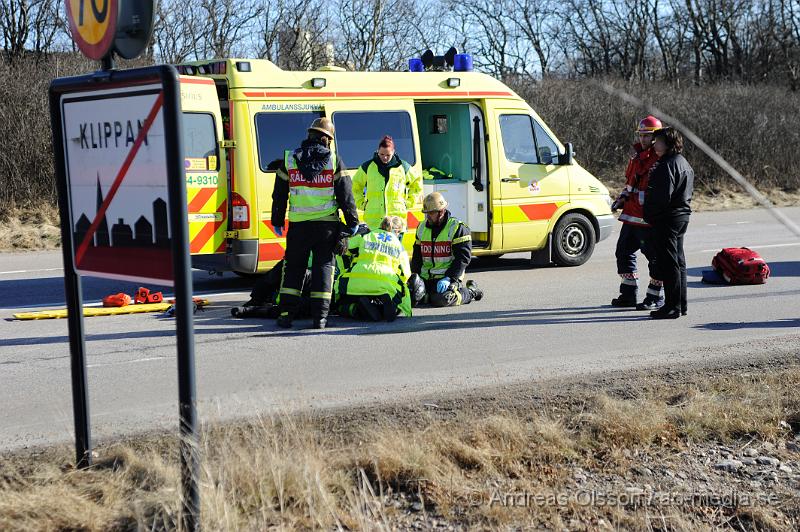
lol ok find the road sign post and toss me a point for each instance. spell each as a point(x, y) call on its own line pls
point(118, 134)
point(118, 148)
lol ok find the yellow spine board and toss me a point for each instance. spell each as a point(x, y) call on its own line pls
point(99, 311)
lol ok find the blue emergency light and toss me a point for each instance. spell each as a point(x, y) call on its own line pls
point(415, 65)
point(462, 63)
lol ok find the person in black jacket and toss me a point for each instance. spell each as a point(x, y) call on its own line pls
point(442, 252)
point(667, 208)
point(311, 182)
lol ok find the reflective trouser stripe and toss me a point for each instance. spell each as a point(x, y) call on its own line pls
point(290, 292)
point(320, 295)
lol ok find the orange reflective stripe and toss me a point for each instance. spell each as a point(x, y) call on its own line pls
point(209, 230)
point(200, 199)
point(539, 211)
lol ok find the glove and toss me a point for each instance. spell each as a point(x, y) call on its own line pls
point(354, 230)
point(278, 230)
point(443, 285)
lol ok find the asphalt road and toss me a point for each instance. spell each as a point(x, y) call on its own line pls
point(534, 323)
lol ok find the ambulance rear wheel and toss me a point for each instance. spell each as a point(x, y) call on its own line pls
point(573, 240)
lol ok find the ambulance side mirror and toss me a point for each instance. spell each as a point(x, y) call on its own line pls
point(567, 157)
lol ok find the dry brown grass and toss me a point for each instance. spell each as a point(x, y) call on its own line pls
point(30, 229)
point(299, 472)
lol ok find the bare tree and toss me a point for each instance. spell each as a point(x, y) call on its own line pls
point(28, 25)
point(175, 26)
point(537, 23)
point(787, 35)
point(301, 29)
point(225, 24)
point(495, 39)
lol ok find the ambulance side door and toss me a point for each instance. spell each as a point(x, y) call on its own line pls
point(532, 184)
point(361, 124)
point(206, 182)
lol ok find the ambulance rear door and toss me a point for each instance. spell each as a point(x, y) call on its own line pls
point(206, 182)
point(533, 186)
point(279, 125)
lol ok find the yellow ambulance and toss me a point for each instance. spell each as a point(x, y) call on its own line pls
point(499, 166)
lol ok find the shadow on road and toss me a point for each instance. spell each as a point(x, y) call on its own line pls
point(218, 323)
point(26, 293)
point(777, 269)
point(729, 326)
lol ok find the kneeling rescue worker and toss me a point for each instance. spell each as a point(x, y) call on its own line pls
point(442, 251)
point(374, 287)
point(311, 181)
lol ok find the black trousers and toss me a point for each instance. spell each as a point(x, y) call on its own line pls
point(671, 262)
point(458, 294)
point(369, 308)
point(267, 285)
point(633, 238)
point(302, 239)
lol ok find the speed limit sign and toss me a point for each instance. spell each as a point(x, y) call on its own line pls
point(93, 24)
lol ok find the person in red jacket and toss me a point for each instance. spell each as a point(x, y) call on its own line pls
point(635, 232)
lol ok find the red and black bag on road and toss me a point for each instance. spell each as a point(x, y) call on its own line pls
point(741, 266)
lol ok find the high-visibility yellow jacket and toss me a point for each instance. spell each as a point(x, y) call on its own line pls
point(445, 255)
point(385, 190)
point(379, 266)
point(311, 200)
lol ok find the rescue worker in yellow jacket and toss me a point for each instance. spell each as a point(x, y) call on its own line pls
point(311, 181)
point(442, 251)
point(374, 287)
point(385, 185)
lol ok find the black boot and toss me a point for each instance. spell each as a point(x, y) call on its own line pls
point(654, 299)
point(651, 302)
point(477, 293)
point(627, 295)
point(665, 314)
point(284, 320)
point(320, 323)
point(623, 301)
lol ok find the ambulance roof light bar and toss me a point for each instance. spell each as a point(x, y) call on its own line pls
point(451, 60)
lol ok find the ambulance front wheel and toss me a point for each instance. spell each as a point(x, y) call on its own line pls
point(573, 240)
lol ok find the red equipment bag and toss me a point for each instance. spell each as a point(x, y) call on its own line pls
point(741, 266)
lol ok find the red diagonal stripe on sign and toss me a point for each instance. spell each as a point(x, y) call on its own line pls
point(539, 211)
point(101, 212)
point(201, 199)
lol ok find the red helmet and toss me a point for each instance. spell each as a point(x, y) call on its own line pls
point(648, 125)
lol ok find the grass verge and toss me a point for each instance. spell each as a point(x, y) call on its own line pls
point(30, 229)
point(646, 453)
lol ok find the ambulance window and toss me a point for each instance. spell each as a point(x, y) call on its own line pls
point(518, 143)
point(199, 142)
point(278, 132)
point(358, 134)
point(545, 145)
